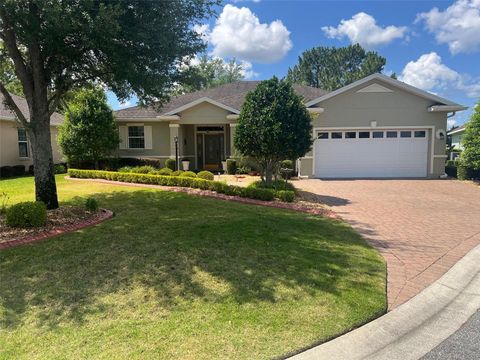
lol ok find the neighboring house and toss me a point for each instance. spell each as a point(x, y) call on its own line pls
point(456, 136)
point(374, 127)
point(14, 144)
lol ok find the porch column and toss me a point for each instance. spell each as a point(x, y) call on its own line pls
point(233, 128)
point(174, 131)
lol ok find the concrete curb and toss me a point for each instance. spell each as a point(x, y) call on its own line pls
point(416, 327)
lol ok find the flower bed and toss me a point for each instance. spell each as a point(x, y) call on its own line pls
point(196, 183)
point(59, 221)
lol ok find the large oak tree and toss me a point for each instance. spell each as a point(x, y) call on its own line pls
point(130, 46)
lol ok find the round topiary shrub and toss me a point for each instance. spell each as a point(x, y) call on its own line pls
point(170, 163)
point(177, 173)
point(285, 195)
point(164, 171)
point(26, 214)
point(190, 174)
point(206, 175)
point(125, 169)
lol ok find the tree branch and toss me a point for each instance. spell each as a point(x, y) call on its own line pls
point(21, 70)
point(13, 106)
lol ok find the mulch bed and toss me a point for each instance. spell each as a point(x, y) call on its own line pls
point(301, 205)
point(59, 221)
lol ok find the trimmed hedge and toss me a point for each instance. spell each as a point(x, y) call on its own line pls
point(189, 174)
point(171, 164)
point(285, 195)
point(219, 187)
point(26, 214)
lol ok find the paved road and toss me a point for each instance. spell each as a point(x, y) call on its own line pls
point(462, 345)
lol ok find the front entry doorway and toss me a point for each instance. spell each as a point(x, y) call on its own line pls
point(210, 147)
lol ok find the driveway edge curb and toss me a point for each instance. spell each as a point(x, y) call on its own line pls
point(416, 327)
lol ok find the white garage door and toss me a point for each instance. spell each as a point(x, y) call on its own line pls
point(371, 154)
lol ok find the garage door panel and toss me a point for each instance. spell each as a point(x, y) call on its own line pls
point(371, 157)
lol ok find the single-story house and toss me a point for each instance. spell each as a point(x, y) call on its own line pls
point(14, 144)
point(455, 137)
point(375, 127)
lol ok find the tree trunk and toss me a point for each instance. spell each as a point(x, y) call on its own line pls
point(268, 173)
point(45, 186)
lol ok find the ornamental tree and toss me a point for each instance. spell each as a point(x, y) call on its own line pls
point(471, 141)
point(89, 131)
point(133, 47)
point(274, 125)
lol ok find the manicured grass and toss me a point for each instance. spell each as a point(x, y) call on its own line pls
point(177, 276)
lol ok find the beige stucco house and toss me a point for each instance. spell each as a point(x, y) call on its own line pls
point(14, 143)
point(375, 127)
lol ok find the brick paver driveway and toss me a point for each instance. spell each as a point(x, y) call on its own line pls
point(421, 227)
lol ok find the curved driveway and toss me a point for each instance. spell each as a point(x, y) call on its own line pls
point(421, 227)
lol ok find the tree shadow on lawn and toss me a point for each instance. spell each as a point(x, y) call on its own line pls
point(182, 248)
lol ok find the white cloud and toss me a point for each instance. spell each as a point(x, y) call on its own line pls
point(247, 70)
point(429, 73)
point(238, 33)
point(458, 25)
point(203, 31)
point(363, 29)
point(125, 104)
point(451, 123)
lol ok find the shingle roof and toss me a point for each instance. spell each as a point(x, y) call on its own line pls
point(232, 95)
point(6, 113)
point(457, 129)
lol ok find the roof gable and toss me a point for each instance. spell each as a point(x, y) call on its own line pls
point(199, 101)
point(388, 81)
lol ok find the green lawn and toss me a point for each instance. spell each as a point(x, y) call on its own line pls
point(178, 276)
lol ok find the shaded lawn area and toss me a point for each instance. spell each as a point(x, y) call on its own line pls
point(179, 276)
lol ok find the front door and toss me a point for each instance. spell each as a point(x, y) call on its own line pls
point(213, 151)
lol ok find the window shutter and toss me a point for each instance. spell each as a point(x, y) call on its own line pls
point(147, 130)
point(123, 131)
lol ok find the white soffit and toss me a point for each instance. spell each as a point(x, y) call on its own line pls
point(374, 88)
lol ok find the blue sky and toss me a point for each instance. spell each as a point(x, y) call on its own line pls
point(434, 45)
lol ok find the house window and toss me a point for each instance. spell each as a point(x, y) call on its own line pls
point(420, 134)
point(336, 135)
point(22, 143)
point(136, 137)
point(377, 134)
point(322, 135)
point(392, 134)
point(405, 134)
point(350, 135)
point(364, 134)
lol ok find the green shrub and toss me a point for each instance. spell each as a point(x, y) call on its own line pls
point(170, 163)
point(18, 170)
point(243, 170)
point(145, 169)
point(231, 166)
point(275, 185)
point(177, 173)
point(286, 164)
point(125, 169)
point(285, 195)
point(189, 174)
point(206, 175)
point(27, 214)
point(60, 169)
point(164, 171)
point(91, 204)
point(3, 202)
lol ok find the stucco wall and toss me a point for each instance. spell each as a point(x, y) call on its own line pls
point(9, 145)
point(204, 113)
point(389, 109)
point(160, 141)
point(457, 140)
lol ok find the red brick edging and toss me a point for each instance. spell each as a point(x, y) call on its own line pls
point(104, 215)
point(212, 194)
